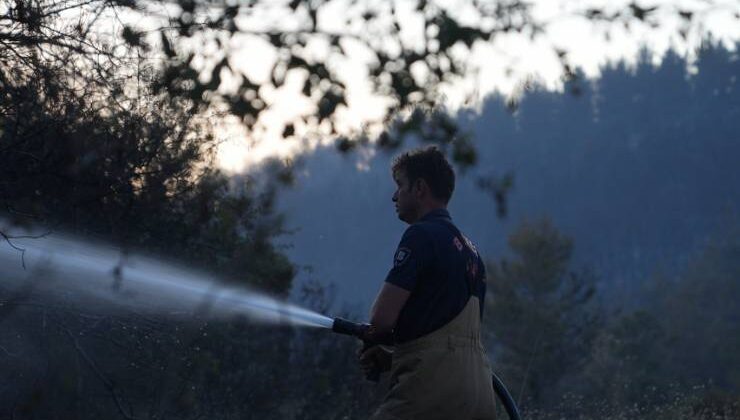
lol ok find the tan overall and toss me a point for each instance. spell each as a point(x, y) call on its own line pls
point(442, 375)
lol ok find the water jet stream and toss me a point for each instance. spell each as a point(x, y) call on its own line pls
point(74, 269)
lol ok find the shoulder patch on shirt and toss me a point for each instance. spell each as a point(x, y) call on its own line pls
point(457, 243)
point(402, 255)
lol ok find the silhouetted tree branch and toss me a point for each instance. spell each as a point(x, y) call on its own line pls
point(412, 50)
point(126, 412)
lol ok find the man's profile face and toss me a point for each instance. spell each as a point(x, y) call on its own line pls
point(405, 199)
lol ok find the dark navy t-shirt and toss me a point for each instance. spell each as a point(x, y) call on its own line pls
point(442, 270)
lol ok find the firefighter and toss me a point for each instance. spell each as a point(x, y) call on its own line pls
point(431, 305)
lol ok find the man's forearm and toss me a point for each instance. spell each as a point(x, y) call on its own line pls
point(387, 307)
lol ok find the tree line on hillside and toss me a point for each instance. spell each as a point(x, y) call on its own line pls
point(639, 169)
point(640, 161)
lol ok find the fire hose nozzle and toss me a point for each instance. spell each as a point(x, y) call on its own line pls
point(342, 326)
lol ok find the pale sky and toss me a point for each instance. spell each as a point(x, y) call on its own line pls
point(503, 66)
point(584, 41)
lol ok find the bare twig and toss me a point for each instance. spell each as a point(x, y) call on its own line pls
point(9, 240)
point(128, 414)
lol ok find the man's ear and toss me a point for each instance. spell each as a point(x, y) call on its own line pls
point(421, 187)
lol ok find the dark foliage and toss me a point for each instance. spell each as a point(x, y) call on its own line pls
point(540, 314)
point(39, 29)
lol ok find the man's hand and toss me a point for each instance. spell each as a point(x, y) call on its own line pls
point(374, 359)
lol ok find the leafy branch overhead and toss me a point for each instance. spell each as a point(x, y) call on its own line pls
point(408, 73)
point(404, 53)
point(413, 47)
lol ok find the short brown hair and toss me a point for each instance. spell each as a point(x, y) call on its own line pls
point(429, 164)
